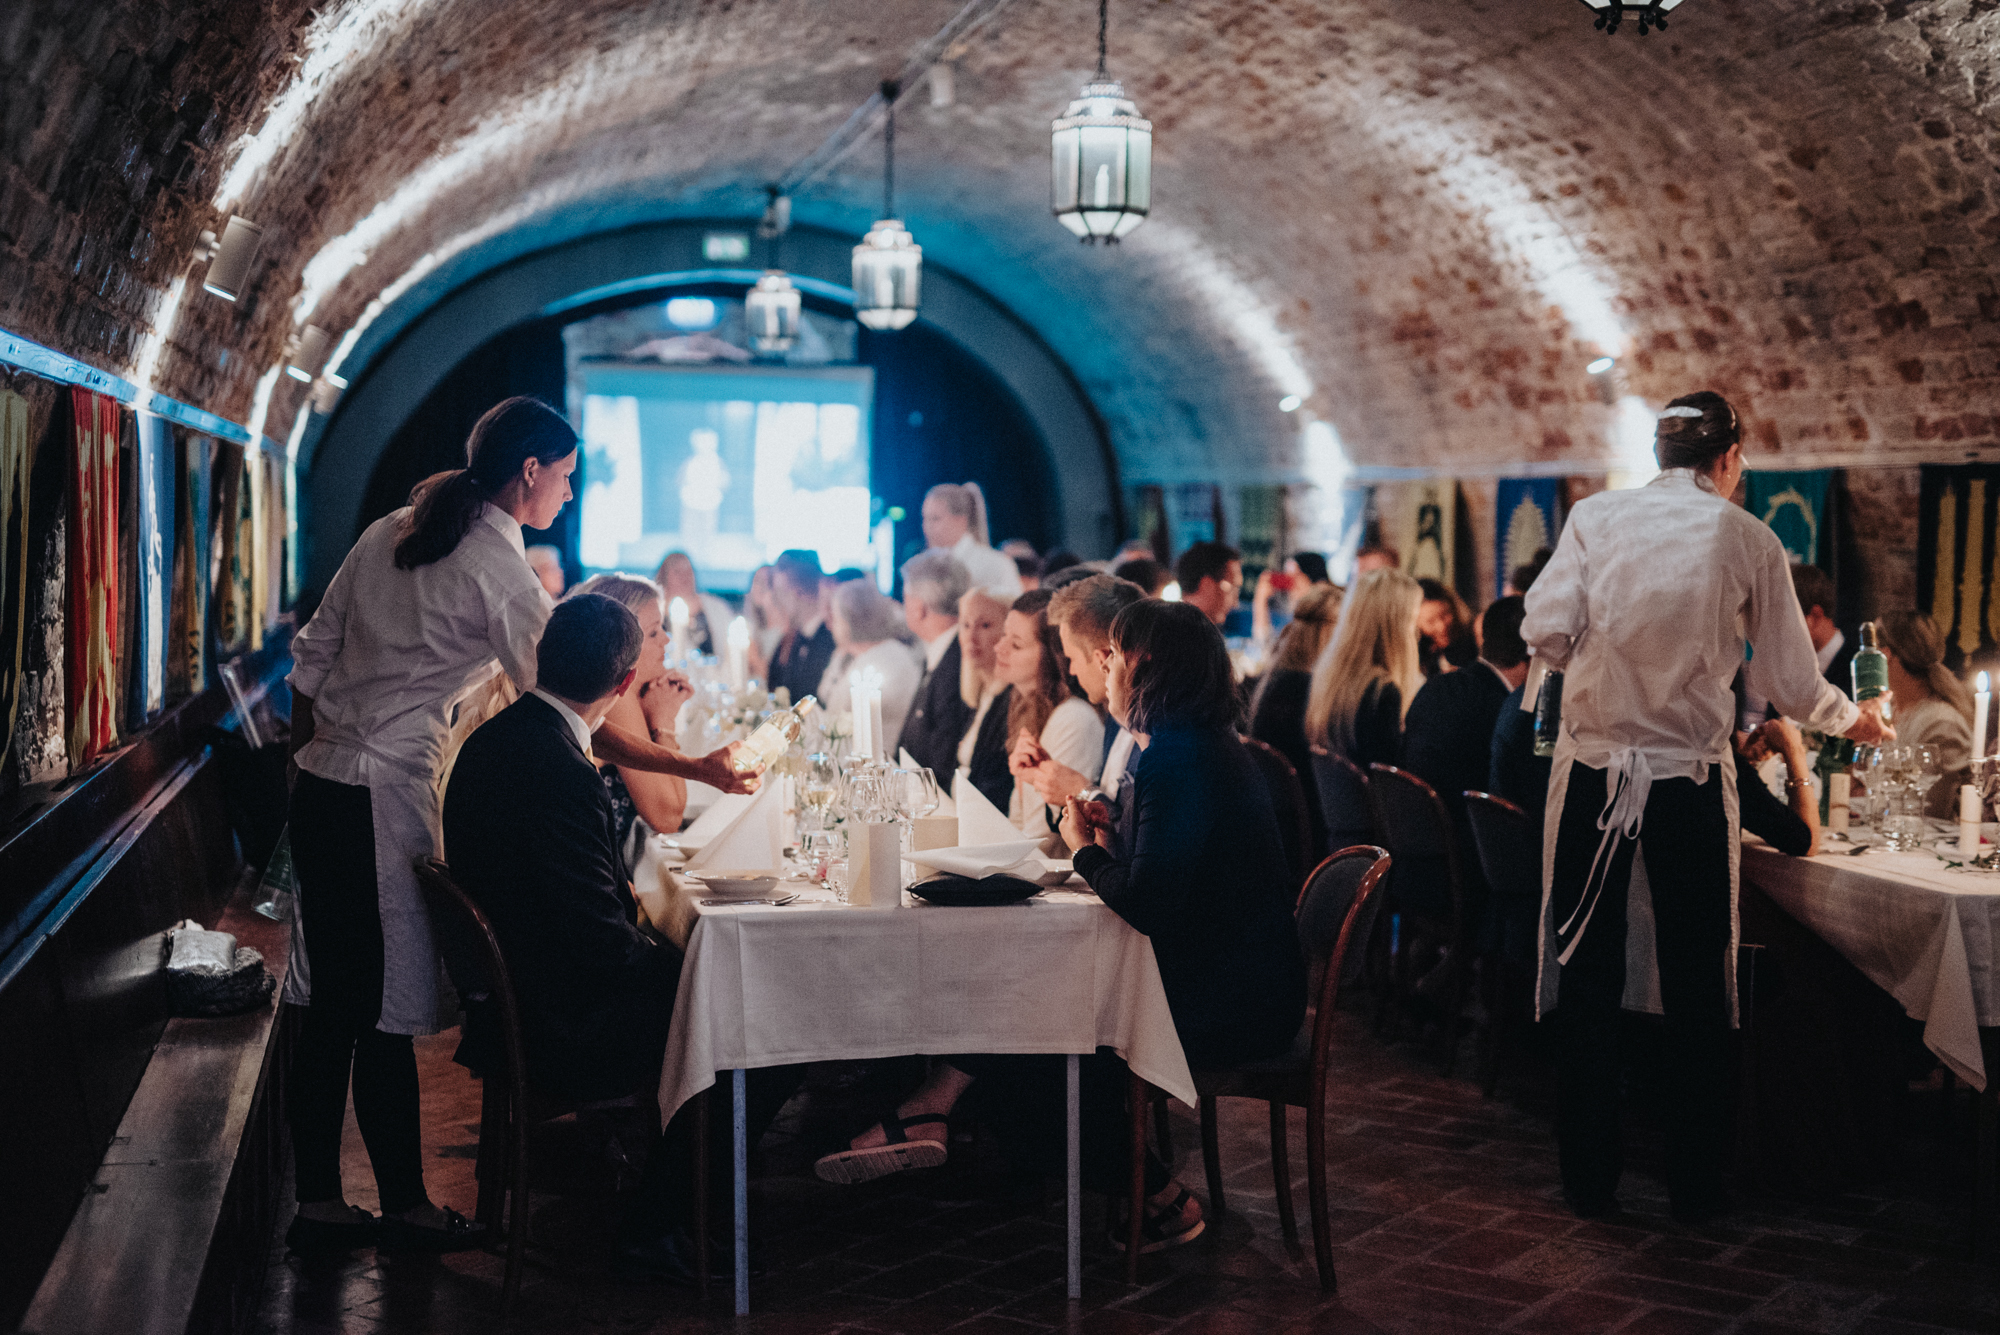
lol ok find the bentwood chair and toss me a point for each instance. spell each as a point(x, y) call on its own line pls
point(1418, 832)
point(1332, 914)
point(1510, 855)
point(1288, 800)
point(1343, 799)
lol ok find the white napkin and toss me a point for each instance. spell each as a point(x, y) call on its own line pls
point(753, 842)
point(721, 814)
point(979, 821)
point(946, 807)
point(1015, 858)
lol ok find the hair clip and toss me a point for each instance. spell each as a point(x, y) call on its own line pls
point(1682, 411)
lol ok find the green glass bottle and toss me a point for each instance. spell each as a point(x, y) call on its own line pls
point(1871, 666)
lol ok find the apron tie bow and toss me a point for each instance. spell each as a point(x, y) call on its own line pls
point(1628, 781)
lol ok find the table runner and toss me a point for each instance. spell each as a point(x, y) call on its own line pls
point(1922, 932)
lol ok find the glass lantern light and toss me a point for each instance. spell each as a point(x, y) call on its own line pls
point(888, 264)
point(1650, 13)
point(771, 309)
point(1101, 158)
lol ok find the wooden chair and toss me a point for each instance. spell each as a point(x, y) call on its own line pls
point(1343, 799)
point(1331, 916)
point(1288, 800)
point(1417, 830)
point(1510, 855)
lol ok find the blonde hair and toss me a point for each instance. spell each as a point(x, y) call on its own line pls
point(1313, 617)
point(636, 592)
point(1374, 642)
point(966, 500)
point(1914, 640)
point(971, 681)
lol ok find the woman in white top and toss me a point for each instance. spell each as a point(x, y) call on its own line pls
point(1046, 706)
point(1931, 705)
point(955, 521)
point(1646, 605)
point(866, 639)
point(434, 601)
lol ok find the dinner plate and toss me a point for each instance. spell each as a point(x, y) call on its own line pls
point(964, 892)
point(735, 883)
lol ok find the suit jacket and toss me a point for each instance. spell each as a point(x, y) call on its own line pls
point(528, 834)
point(988, 770)
point(937, 719)
point(1448, 743)
point(798, 663)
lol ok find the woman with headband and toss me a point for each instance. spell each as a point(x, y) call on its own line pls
point(1647, 605)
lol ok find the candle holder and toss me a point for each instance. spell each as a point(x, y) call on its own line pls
point(1986, 779)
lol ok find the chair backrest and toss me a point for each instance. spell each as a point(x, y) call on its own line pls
point(1343, 799)
point(1415, 826)
point(1335, 913)
point(1288, 800)
point(472, 955)
point(1510, 847)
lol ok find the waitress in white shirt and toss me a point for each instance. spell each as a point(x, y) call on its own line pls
point(1646, 605)
point(433, 602)
point(955, 522)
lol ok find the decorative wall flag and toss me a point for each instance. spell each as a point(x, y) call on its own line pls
point(92, 661)
point(1422, 523)
point(14, 460)
point(1263, 526)
point(1148, 508)
point(1524, 522)
point(154, 502)
point(1194, 514)
point(230, 557)
point(1956, 557)
point(187, 657)
point(1794, 505)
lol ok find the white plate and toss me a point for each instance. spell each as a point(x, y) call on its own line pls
point(735, 883)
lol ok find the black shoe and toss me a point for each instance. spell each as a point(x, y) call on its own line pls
point(459, 1234)
point(309, 1236)
point(670, 1259)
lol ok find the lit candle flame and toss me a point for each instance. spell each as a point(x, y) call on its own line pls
point(739, 633)
point(1984, 684)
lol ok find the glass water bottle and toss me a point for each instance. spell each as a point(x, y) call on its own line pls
point(1871, 665)
point(1549, 713)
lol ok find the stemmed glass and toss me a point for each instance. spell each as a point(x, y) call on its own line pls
point(1893, 774)
point(819, 786)
point(1924, 774)
point(1864, 803)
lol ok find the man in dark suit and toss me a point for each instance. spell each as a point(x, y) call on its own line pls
point(801, 657)
point(933, 582)
point(528, 834)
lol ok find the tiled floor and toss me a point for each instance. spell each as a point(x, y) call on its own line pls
point(1446, 1215)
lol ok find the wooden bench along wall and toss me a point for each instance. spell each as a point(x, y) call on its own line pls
point(90, 880)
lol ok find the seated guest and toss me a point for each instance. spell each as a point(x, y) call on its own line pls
point(1814, 588)
point(1514, 771)
point(1444, 630)
point(1523, 577)
point(1932, 706)
point(1057, 561)
point(708, 615)
point(1134, 548)
point(1308, 566)
point(933, 583)
point(649, 708)
point(865, 626)
point(1204, 877)
point(806, 647)
point(1030, 567)
point(1211, 578)
point(1376, 556)
point(1047, 715)
point(1367, 675)
point(982, 749)
point(767, 623)
point(1791, 826)
point(1082, 614)
point(546, 562)
point(1144, 571)
point(1278, 709)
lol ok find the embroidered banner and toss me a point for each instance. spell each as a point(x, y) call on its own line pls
point(187, 657)
point(92, 660)
point(229, 584)
point(1956, 558)
point(155, 504)
point(1194, 514)
point(1524, 522)
point(1264, 535)
point(13, 559)
point(1794, 505)
point(1421, 522)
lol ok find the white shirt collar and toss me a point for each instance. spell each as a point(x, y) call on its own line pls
point(506, 526)
point(1829, 651)
point(570, 716)
point(936, 649)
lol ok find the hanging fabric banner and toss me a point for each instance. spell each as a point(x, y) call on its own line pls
point(273, 551)
point(1794, 505)
point(92, 661)
point(229, 590)
point(1956, 558)
point(1194, 514)
point(257, 568)
point(14, 468)
point(1148, 507)
point(187, 659)
point(155, 505)
point(1263, 538)
point(1421, 521)
point(1524, 522)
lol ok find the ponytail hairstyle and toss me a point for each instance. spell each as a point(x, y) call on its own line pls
point(968, 502)
point(1914, 640)
point(1695, 430)
point(443, 505)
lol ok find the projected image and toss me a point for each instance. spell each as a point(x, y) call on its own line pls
point(729, 466)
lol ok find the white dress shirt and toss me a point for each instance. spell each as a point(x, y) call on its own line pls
point(391, 652)
point(935, 650)
point(575, 720)
point(1073, 736)
point(1116, 763)
point(994, 570)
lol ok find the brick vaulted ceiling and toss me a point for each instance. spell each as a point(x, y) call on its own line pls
point(1426, 216)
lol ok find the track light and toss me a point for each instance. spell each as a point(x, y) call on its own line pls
point(308, 354)
point(229, 258)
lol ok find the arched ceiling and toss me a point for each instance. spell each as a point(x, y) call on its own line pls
point(1425, 216)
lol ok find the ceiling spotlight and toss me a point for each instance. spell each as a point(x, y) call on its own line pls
point(1101, 158)
point(229, 258)
point(308, 354)
point(1290, 403)
point(888, 264)
point(1601, 365)
point(1650, 13)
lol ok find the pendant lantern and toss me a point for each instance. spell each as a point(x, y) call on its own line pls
point(888, 264)
point(1101, 157)
point(771, 308)
point(1650, 13)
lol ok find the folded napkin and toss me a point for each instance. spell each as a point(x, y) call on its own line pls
point(946, 807)
point(979, 821)
point(753, 842)
point(1015, 857)
point(721, 814)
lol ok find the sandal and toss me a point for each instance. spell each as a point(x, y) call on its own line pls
point(851, 1167)
point(1163, 1228)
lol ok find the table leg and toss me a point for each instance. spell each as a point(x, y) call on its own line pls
point(1074, 1131)
point(701, 1194)
point(740, 1154)
point(1138, 1094)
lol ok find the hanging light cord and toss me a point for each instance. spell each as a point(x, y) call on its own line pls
point(889, 92)
point(1103, 22)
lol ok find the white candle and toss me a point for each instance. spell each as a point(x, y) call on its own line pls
point(875, 721)
point(857, 695)
point(1982, 699)
point(739, 654)
point(1968, 821)
point(677, 622)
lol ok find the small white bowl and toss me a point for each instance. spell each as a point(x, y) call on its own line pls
point(736, 882)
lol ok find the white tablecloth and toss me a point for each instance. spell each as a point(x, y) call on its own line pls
point(1919, 930)
point(817, 980)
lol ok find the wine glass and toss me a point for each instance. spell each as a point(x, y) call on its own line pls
point(819, 786)
point(1863, 802)
point(1892, 774)
point(1924, 774)
point(921, 794)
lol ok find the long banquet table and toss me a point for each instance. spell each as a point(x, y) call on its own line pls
point(816, 980)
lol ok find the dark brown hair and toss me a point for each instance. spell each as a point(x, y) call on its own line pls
point(1179, 667)
point(1029, 711)
point(1695, 430)
point(444, 505)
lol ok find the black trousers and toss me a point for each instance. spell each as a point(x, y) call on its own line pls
point(665, 1199)
point(1024, 1098)
point(1685, 833)
point(333, 852)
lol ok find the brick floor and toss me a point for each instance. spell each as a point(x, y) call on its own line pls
point(1447, 1218)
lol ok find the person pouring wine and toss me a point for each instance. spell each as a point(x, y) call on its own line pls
point(1646, 606)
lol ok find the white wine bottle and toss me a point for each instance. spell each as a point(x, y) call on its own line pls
point(771, 740)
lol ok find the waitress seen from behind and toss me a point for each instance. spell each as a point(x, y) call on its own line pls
point(1647, 605)
point(432, 603)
